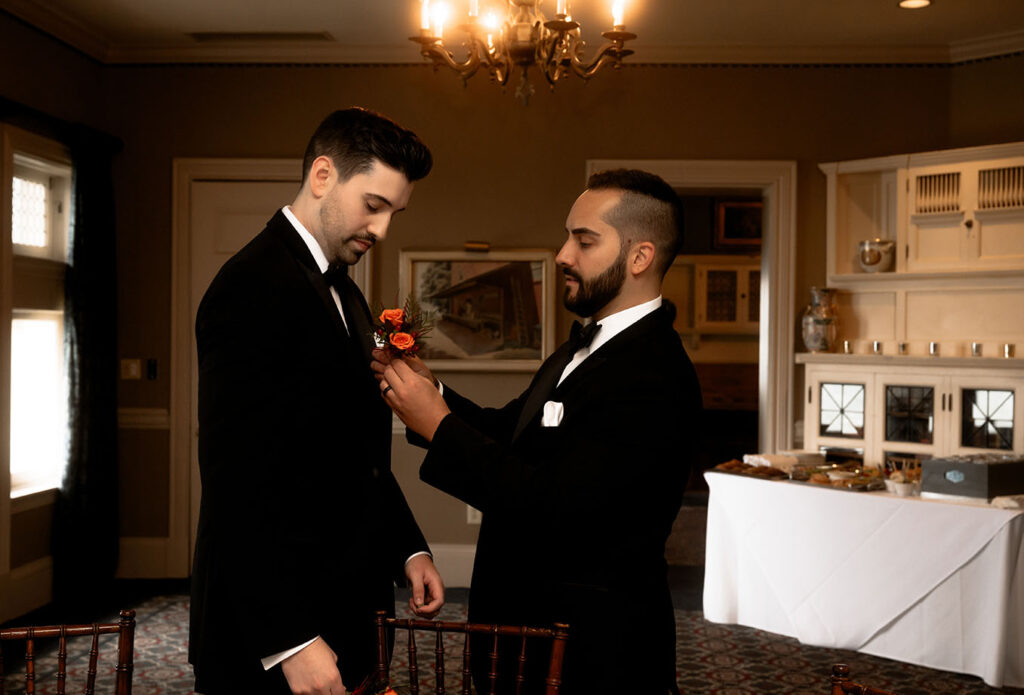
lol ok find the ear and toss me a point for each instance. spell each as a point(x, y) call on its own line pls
point(321, 175)
point(642, 257)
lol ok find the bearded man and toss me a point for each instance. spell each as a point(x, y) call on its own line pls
point(580, 478)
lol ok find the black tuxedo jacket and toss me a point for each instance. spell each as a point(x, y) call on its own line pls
point(303, 528)
point(575, 517)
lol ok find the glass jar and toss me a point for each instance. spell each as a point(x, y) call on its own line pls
point(820, 321)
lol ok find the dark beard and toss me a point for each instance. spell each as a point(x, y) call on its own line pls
point(594, 295)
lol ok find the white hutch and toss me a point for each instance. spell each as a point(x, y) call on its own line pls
point(957, 218)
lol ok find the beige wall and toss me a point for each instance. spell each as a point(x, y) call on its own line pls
point(504, 173)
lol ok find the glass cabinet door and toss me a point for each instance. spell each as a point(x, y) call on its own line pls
point(986, 415)
point(909, 414)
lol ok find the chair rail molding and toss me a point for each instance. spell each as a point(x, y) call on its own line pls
point(776, 180)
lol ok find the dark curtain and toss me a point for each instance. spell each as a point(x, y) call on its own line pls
point(85, 538)
point(85, 529)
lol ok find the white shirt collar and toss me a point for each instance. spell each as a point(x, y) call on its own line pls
point(611, 326)
point(614, 324)
point(314, 247)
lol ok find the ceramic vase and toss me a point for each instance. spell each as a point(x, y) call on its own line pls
point(820, 322)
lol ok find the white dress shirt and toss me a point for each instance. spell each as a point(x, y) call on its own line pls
point(273, 660)
point(611, 326)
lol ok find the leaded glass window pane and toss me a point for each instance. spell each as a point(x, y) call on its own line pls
point(722, 295)
point(28, 213)
point(842, 410)
point(987, 419)
point(909, 413)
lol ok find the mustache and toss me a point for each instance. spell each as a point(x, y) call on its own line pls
point(572, 274)
point(369, 239)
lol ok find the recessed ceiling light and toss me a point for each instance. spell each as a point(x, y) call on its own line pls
point(914, 4)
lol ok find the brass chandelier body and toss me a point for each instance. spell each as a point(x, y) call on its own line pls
point(525, 39)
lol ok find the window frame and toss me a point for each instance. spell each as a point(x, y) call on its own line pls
point(39, 284)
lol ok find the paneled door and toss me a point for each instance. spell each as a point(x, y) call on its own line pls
point(220, 205)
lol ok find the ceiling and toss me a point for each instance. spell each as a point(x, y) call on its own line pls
point(670, 31)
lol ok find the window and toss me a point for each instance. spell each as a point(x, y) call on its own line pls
point(40, 202)
point(39, 396)
point(36, 175)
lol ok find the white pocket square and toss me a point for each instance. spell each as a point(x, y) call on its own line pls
point(553, 412)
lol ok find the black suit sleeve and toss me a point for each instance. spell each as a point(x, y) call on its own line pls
point(622, 448)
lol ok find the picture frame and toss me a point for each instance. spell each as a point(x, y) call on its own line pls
point(738, 225)
point(494, 310)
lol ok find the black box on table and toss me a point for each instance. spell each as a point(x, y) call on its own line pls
point(977, 476)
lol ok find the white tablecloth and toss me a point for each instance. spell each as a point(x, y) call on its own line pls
point(921, 581)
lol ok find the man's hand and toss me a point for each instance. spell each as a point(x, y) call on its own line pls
point(382, 358)
point(427, 587)
point(313, 671)
point(413, 397)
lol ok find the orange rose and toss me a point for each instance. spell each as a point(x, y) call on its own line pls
point(395, 316)
point(402, 341)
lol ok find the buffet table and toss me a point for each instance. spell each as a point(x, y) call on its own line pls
point(926, 582)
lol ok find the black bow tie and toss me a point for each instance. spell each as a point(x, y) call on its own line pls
point(581, 336)
point(334, 274)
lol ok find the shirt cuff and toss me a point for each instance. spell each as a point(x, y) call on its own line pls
point(422, 552)
point(273, 660)
point(440, 388)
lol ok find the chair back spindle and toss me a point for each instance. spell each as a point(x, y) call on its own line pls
point(30, 663)
point(466, 678)
point(62, 660)
point(124, 629)
point(498, 636)
point(414, 673)
point(439, 661)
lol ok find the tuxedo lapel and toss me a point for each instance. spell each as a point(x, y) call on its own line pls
point(543, 385)
point(358, 316)
point(286, 232)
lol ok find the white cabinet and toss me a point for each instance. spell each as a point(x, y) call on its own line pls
point(728, 298)
point(966, 216)
point(953, 211)
point(900, 407)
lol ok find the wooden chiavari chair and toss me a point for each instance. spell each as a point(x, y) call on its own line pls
point(841, 683)
point(500, 633)
point(124, 628)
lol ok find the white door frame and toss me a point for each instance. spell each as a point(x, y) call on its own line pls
point(184, 483)
point(776, 180)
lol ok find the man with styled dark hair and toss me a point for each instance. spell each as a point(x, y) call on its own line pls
point(580, 478)
point(303, 529)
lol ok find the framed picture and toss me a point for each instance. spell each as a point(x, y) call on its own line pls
point(493, 310)
point(737, 225)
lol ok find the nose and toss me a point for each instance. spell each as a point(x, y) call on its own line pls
point(378, 227)
point(563, 258)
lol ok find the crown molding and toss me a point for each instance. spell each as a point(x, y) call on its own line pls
point(264, 52)
point(986, 47)
point(60, 25)
point(66, 28)
point(741, 54)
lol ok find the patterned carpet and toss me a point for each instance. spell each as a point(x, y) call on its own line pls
point(712, 659)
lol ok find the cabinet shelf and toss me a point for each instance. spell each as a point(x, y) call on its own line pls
point(838, 359)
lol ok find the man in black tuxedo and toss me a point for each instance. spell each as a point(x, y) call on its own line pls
point(580, 478)
point(303, 529)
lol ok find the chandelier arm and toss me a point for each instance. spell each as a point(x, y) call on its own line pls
point(442, 56)
point(609, 54)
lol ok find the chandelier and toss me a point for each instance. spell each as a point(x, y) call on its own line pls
point(523, 38)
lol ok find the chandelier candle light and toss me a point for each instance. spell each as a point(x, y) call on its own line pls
point(523, 38)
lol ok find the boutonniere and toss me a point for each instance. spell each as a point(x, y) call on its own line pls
point(401, 331)
point(373, 686)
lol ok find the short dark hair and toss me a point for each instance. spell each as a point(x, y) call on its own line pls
point(353, 138)
point(650, 210)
